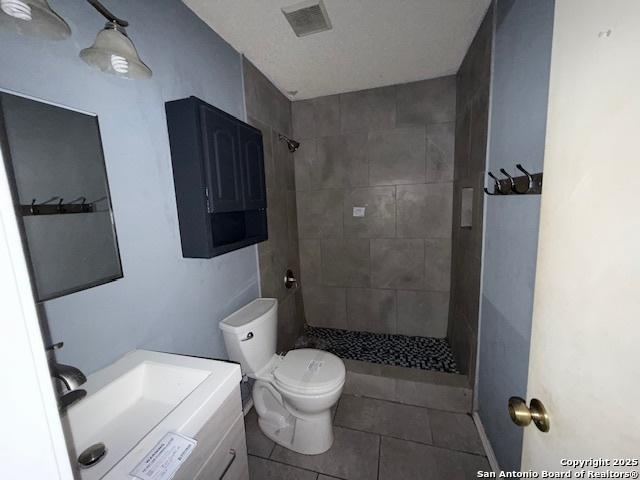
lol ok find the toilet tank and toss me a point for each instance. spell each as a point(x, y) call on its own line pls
point(250, 334)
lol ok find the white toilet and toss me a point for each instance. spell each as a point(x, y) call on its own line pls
point(294, 392)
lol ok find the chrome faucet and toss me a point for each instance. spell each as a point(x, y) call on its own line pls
point(71, 378)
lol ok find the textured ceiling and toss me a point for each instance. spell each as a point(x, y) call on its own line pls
point(372, 43)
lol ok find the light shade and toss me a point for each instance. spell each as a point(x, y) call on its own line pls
point(114, 53)
point(33, 18)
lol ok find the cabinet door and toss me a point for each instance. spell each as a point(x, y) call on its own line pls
point(252, 155)
point(221, 161)
point(229, 460)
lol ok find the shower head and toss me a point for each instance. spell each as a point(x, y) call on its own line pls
point(291, 144)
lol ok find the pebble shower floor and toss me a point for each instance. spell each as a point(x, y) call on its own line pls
point(425, 353)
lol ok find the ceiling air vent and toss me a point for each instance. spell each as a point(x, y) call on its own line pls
point(307, 17)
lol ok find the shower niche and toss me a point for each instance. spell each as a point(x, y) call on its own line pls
point(218, 169)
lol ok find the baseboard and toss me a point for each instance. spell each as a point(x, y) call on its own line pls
point(491, 456)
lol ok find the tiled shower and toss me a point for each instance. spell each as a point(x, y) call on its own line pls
point(374, 191)
point(367, 213)
point(386, 271)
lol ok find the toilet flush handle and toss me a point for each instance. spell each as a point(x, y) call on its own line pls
point(248, 337)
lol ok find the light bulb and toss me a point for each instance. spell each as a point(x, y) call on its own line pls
point(119, 64)
point(16, 9)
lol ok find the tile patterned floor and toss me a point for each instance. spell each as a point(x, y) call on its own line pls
point(425, 353)
point(376, 440)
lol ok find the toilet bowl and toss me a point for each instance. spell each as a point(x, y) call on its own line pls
point(294, 392)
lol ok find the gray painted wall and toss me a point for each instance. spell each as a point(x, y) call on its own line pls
point(164, 301)
point(389, 150)
point(518, 121)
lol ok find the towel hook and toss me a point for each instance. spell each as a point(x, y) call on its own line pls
point(498, 187)
point(511, 180)
point(529, 178)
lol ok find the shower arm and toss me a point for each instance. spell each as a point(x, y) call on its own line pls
point(107, 14)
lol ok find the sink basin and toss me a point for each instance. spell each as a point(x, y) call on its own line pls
point(131, 404)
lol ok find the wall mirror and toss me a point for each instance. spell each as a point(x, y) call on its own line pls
point(56, 165)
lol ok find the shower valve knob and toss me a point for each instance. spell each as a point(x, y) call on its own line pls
point(290, 279)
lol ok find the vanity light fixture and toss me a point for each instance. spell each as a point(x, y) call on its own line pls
point(33, 18)
point(113, 52)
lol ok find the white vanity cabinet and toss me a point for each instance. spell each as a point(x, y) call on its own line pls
point(132, 404)
point(221, 452)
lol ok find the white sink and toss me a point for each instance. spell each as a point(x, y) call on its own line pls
point(131, 404)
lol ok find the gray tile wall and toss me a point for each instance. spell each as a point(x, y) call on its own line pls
point(390, 150)
point(473, 81)
point(270, 111)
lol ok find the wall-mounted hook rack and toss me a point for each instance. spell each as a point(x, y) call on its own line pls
point(527, 184)
point(59, 208)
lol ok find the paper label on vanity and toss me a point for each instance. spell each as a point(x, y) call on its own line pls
point(164, 460)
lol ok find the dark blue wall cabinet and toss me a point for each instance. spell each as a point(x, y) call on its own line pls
point(218, 170)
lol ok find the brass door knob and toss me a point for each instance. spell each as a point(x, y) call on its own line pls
point(522, 415)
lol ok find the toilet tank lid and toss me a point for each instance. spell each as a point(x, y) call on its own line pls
point(255, 310)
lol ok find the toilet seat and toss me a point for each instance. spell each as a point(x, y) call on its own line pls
point(309, 371)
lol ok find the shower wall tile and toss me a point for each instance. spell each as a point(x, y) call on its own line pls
point(397, 156)
point(434, 395)
point(304, 159)
point(303, 119)
point(270, 267)
point(264, 102)
point(341, 161)
point(345, 262)
point(368, 110)
point(461, 166)
point(437, 254)
point(325, 306)
point(292, 226)
point(310, 261)
point(319, 117)
point(478, 134)
point(278, 253)
point(379, 219)
point(427, 101)
point(425, 210)
point(440, 152)
point(270, 112)
point(423, 314)
point(269, 166)
point(327, 115)
point(391, 151)
point(277, 218)
point(283, 164)
point(320, 213)
point(371, 310)
point(397, 263)
point(475, 71)
point(473, 86)
point(299, 305)
point(460, 335)
point(287, 328)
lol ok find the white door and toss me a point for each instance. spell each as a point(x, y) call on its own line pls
point(585, 347)
point(32, 444)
